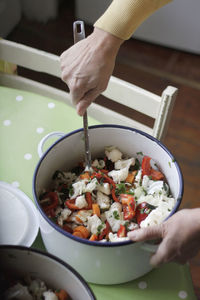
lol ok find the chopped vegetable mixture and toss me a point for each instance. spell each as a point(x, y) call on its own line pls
point(120, 195)
point(28, 288)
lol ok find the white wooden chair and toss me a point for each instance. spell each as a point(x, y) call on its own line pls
point(133, 97)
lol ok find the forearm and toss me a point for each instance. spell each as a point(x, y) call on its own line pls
point(123, 17)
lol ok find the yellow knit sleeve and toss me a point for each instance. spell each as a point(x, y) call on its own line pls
point(124, 16)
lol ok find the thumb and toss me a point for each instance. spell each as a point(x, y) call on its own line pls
point(145, 234)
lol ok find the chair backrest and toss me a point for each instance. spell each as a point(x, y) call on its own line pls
point(131, 96)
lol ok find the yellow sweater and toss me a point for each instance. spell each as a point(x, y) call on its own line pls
point(124, 16)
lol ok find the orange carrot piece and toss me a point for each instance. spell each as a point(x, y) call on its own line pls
point(93, 237)
point(131, 176)
point(78, 219)
point(78, 233)
point(83, 230)
point(78, 216)
point(85, 175)
point(62, 295)
point(96, 209)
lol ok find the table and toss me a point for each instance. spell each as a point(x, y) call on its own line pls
point(24, 119)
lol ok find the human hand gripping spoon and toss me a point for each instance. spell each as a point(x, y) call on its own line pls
point(79, 34)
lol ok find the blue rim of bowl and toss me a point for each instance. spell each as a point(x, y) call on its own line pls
point(97, 243)
point(53, 257)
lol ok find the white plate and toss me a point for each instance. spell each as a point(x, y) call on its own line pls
point(19, 222)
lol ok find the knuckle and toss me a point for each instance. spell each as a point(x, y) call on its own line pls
point(64, 75)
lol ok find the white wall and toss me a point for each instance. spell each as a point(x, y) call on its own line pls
point(36, 10)
point(10, 14)
point(175, 25)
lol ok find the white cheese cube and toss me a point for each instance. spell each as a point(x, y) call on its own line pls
point(116, 206)
point(154, 218)
point(79, 188)
point(169, 201)
point(100, 164)
point(103, 217)
point(138, 178)
point(145, 182)
point(93, 223)
point(132, 226)
point(49, 295)
point(113, 153)
point(81, 202)
point(103, 200)
point(138, 192)
point(149, 199)
point(155, 187)
point(114, 238)
point(92, 185)
point(104, 188)
point(64, 214)
point(119, 175)
point(126, 163)
point(114, 216)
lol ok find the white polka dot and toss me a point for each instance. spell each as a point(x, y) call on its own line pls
point(39, 130)
point(19, 98)
point(142, 285)
point(98, 264)
point(51, 105)
point(28, 156)
point(6, 122)
point(15, 184)
point(182, 294)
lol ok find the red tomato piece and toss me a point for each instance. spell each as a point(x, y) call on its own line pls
point(53, 196)
point(71, 204)
point(142, 212)
point(122, 231)
point(114, 195)
point(104, 232)
point(146, 166)
point(128, 205)
point(109, 180)
point(97, 175)
point(126, 198)
point(149, 171)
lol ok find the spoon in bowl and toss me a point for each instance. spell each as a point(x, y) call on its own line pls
point(79, 34)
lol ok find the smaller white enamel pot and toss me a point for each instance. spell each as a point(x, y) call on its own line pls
point(20, 262)
point(101, 263)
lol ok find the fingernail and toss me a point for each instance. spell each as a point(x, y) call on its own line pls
point(79, 111)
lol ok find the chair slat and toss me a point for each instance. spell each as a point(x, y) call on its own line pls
point(132, 96)
point(120, 91)
point(30, 58)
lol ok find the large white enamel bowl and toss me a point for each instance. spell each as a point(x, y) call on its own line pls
point(20, 261)
point(101, 263)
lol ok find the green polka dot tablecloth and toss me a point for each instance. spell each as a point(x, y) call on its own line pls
point(24, 119)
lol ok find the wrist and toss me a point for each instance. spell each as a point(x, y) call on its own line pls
point(106, 40)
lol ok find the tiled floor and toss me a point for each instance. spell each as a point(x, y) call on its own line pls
point(151, 67)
